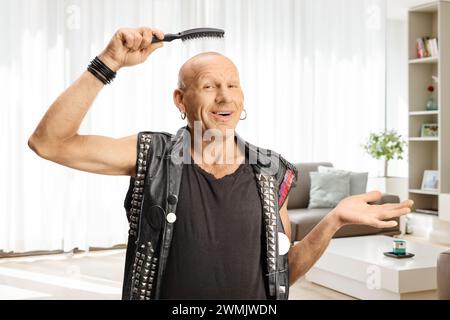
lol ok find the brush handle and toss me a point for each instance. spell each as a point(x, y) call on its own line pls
point(167, 38)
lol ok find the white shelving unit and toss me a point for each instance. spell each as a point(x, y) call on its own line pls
point(429, 153)
point(424, 60)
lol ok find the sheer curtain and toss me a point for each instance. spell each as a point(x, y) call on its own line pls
point(312, 73)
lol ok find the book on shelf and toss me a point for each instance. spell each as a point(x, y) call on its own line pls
point(427, 211)
point(427, 47)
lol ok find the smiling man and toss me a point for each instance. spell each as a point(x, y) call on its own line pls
point(207, 210)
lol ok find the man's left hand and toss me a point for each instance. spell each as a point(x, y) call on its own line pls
point(358, 210)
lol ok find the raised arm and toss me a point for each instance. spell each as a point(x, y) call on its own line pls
point(56, 137)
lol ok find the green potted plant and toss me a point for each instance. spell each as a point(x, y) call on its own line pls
point(387, 145)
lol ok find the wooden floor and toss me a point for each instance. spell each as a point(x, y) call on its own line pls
point(94, 275)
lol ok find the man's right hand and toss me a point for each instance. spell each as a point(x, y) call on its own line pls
point(129, 47)
point(56, 137)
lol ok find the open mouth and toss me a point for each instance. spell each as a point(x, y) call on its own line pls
point(222, 115)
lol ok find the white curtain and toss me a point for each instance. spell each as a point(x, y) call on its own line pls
point(312, 73)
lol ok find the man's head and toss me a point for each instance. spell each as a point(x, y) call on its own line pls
point(209, 91)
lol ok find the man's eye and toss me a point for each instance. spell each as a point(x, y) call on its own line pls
point(232, 86)
point(208, 86)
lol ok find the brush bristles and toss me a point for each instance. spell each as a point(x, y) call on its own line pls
point(202, 35)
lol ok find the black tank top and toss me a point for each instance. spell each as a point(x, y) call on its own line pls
point(216, 250)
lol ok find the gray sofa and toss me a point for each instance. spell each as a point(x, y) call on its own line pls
point(303, 219)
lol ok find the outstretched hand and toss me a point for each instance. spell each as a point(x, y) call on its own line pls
point(358, 210)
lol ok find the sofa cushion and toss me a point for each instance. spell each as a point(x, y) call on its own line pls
point(299, 196)
point(304, 220)
point(327, 189)
point(358, 180)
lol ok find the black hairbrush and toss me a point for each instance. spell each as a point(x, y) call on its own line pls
point(192, 34)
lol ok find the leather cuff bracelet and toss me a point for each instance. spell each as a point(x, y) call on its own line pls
point(101, 71)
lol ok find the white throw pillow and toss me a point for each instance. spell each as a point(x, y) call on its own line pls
point(327, 189)
point(358, 180)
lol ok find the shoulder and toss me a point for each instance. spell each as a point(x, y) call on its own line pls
point(275, 163)
point(155, 135)
point(287, 172)
point(157, 140)
point(284, 172)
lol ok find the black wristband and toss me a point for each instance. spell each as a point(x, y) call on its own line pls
point(105, 70)
point(101, 71)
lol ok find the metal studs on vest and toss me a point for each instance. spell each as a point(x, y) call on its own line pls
point(172, 199)
point(139, 182)
point(283, 244)
point(171, 217)
point(144, 269)
point(267, 192)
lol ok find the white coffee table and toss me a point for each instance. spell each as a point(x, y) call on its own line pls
point(356, 266)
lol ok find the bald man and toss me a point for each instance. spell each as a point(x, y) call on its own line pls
point(207, 210)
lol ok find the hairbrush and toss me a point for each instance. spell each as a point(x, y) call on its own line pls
point(192, 34)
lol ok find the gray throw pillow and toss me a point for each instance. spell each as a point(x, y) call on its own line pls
point(327, 189)
point(358, 180)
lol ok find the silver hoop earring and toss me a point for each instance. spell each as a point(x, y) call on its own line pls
point(245, 115)
point(183, 115)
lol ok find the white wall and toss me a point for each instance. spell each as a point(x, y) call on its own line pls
point(396, 89)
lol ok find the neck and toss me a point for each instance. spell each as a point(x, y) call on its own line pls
point(213, 148)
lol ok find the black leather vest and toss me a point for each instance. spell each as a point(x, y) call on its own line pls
point(151, 203)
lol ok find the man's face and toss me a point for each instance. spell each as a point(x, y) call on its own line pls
point(212, 93)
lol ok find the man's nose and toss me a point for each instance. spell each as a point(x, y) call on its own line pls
point(223, 95)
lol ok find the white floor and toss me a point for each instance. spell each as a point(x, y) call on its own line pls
point(95, 275)
point(98, 275)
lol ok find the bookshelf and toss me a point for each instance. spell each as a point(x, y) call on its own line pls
point(429, 153)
